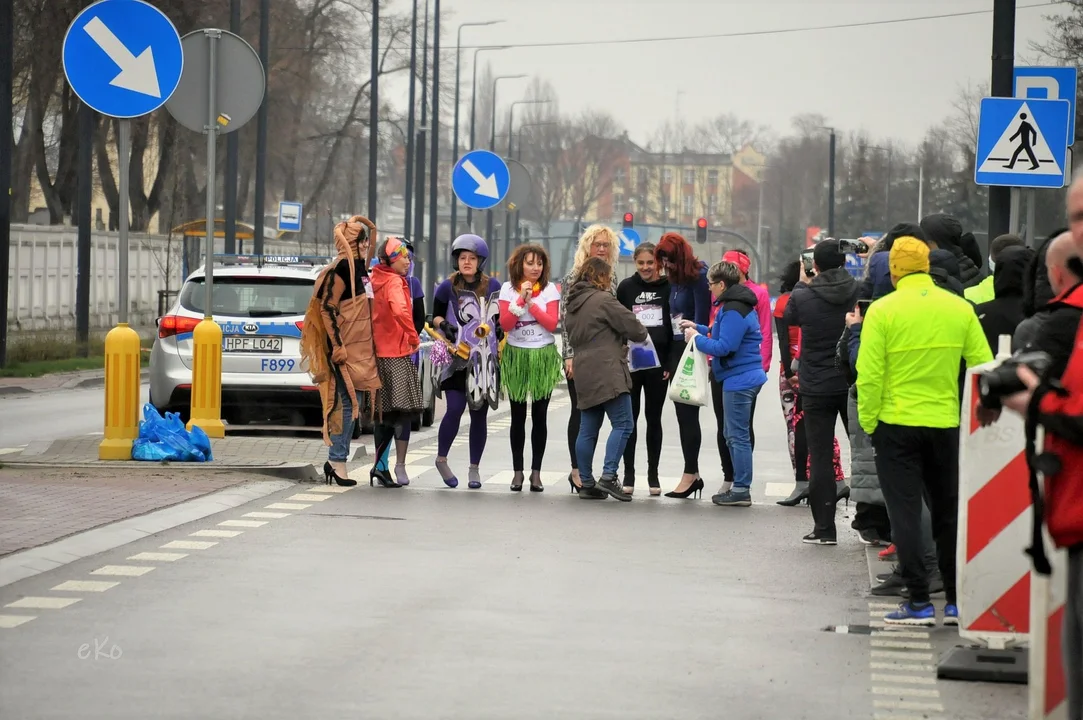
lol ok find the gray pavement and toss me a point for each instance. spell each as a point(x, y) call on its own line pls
point(52, 414)
point(428, 602)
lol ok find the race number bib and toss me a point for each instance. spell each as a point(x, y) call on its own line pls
point(649, 315)
point(676, 322)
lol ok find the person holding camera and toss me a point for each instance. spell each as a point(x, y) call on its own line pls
point(819, 307)
point(912, 342)
point(1055, 401)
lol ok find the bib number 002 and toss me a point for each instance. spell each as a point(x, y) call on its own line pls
point(284, 365)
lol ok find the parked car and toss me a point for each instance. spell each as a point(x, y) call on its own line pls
point(260, 303)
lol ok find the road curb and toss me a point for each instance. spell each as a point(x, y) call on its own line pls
point(34, 561)
point(295, 472)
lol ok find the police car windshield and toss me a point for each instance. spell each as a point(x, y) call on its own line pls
point(250, 296)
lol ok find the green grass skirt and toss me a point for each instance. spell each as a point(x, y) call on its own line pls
point(532, 372)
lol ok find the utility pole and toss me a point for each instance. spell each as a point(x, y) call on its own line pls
point(7, 149)
point(434, 157)
point(408, 195)
point(374, 112)
point(1001, 86)
point(831, 189)
point(261, 130)
point(229, 197)
point(419, 148)
point(83, 245)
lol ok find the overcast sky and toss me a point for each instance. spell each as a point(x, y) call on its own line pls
point(891, 80)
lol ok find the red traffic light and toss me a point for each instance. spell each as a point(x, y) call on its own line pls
point(701, 223)
point(628, 220)
point(701, 230)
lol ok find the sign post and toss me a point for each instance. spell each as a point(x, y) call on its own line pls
point(221, 89)
point(122, 58)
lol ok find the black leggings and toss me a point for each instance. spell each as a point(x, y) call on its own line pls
point(573, 423)
point(720, 418)
point(691, 437)
point(654, 389)
point(538, 433)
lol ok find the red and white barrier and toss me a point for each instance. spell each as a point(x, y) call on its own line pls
point(1047, 694)
point(993, 573)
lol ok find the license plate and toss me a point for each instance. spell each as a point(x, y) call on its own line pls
point(252, 344)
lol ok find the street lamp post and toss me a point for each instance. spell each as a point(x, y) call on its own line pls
point(455, 131)
point(831, 184)
point(492, 147)
point(473, 114)
point(511, 134)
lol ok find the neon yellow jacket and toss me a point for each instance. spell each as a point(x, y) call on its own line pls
point(982, 292)
point(912, 341)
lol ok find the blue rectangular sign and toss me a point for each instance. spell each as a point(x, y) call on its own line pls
point(289, 216)
point(1048, 83)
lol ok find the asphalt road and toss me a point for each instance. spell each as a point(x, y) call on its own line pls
point(427, 602)
point(53, 415)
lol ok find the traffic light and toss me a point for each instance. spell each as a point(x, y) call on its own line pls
point(701, 230)
point(628, 220)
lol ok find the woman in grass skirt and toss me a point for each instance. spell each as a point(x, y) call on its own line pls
point(530, 366)
point(396, 339)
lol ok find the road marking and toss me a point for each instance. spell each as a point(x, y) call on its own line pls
point(899, 633)
point(125, 570)
point(329, 489)
point(274, 516)
point(307, 497)
point(907, 705)
point(904, 679)
point(11, 621)
point(893, 716)
point(86, 585)
point(898, 666)
point(899, 677)
point(216, 533)
point(902, 655)
point(903, 644)
point(43, 603)
point(156, 556)
point(11, 450)
point(287, 506)
point(779, 490)
point(188, 545)
point(243, 523)
point(874, 606)
point(917, 692)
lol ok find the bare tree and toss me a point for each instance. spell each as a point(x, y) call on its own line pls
point(590, 154)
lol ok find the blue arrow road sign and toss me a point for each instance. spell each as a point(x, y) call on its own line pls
point(289, 216)
point(629, 238)
point(1049, 83)
point(480, 179)
point(1022, 143)
point(123, 57)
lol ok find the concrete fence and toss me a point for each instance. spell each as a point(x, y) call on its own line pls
point(42, 278)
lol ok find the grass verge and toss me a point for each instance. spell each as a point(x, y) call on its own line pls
point(38, 355)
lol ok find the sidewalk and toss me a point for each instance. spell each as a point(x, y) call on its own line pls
point(39, 507)
point(56, 381)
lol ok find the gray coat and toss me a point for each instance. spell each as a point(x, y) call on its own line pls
point(599, 328)
point(864, 482)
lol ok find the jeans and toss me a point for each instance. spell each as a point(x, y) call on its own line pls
point(738, 406)
point(1073, 634)
point(819, 422)
point(916, 463)
point(619, 410)
point(724, 453)
point(340, 444)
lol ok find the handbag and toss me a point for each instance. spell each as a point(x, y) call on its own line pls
point(691, 383)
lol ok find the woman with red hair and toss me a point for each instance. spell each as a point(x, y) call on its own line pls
point(689, 299)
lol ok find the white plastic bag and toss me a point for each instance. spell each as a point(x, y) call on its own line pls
point(691, 382)
point(643, 356)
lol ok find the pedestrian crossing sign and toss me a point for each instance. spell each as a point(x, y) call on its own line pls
point(1022, 142)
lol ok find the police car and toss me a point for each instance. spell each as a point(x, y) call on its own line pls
point(259, 302)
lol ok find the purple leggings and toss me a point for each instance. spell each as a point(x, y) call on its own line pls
point(449, 426)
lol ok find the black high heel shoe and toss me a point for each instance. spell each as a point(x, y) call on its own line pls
point(696, 488)
point(383, 477)
point(517, 482)
point(575, 488)
point(844, 493)
point(536, 475)
point(800, 492)
point(329, 474)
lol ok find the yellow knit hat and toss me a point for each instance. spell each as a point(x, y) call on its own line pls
point(908, 256)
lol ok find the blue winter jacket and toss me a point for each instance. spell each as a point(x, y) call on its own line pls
point(734, 342)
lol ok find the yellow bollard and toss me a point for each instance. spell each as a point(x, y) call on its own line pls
point(121, 393)
point(207, 379)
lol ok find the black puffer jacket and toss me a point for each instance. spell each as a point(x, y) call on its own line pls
point(820, 309)
point(944, 269)
point(1002, 315)
point(947, 233)
point(1037, 292)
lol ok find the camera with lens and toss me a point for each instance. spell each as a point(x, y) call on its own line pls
point(1003, 380)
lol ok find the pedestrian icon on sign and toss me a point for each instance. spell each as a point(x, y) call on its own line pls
point(1028, 137)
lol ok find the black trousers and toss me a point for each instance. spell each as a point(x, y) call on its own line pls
point(653, 388)
point(573, 423)
point(720, 419)
point(912, 462)
point(820, 414)
point(538, 433)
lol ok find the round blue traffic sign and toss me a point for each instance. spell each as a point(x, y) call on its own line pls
point(481, 179)
point(629, 239)
point(123, 58)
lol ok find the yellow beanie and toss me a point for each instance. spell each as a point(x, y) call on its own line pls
point(908, 256)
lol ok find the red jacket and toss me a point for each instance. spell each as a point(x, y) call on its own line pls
point(1061, 414)
point(392, 316)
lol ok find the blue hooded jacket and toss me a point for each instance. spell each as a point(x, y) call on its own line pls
point(734, 342)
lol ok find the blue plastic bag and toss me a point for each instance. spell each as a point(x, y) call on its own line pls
point(152, 451)
point(165, 438)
